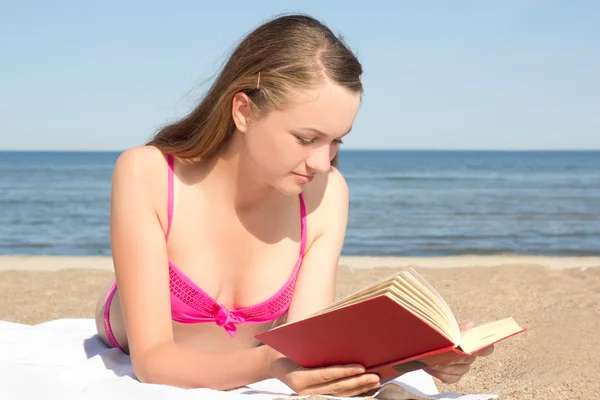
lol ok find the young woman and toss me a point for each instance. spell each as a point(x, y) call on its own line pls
point(233, 218)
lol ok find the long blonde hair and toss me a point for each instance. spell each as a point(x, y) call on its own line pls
point(290, 53)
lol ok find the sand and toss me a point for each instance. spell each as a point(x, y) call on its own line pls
point(557, 299)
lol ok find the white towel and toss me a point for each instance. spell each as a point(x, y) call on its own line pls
point(65, 359)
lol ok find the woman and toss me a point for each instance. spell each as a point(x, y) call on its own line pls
point(233, 219)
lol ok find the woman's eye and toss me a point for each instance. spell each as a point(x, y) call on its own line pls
point(305, 142)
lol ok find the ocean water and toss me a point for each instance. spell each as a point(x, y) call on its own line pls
point(404, 203)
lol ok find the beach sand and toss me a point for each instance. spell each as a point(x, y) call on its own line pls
point(557, 299)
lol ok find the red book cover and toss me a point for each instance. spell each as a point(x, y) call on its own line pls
point(393, 369)
point(371, 333)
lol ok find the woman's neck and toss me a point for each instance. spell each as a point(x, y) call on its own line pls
point(234, 174)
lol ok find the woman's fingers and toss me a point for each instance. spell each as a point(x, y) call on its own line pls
point(465, 360)
point(466, 326)
point(337, 372)
point(485, 351)
point(450, 374)
point(345, 386)
point(308, 377)
point(445, 378)
point(363, 390)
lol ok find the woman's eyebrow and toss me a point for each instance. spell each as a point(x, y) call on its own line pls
point(318, 132)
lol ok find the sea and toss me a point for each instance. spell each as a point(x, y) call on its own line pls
point(402, 203)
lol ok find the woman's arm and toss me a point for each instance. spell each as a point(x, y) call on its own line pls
point(140, 259)
point(315, 287)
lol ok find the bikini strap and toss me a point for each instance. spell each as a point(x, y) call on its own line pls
point(303, 225)
point(170, 194)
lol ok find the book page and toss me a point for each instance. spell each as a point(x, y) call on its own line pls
point(420, 311)
point(406, 296)
point(432, 302)
point(370, 291)
point(441, 302)
point(412, 292)
point(483, 335)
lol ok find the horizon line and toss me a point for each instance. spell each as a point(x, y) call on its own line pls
point(341, 150)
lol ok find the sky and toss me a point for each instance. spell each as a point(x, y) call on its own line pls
point(470, 75)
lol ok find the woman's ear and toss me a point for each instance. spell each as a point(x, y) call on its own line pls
point(240, 111)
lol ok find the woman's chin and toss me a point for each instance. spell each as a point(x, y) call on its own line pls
point(290, 188)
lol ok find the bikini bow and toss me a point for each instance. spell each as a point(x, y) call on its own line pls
point(227, 320)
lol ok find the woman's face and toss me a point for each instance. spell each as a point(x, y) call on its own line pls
point(289, 147)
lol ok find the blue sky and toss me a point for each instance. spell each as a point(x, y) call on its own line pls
point(438, 74)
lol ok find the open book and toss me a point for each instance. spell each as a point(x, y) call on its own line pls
point(394, 326)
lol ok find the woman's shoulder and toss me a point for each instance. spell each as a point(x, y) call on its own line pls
point(327, 194)
point(140, 158)
point(141, 169)
point(333, 185)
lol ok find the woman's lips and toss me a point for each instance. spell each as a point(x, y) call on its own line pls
point(304, 178)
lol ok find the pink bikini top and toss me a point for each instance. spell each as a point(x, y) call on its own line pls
point(190, 304)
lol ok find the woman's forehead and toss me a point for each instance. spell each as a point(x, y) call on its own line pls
point(330, 110)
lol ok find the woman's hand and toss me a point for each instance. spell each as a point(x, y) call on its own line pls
point(453, 372)
point(340, 380)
